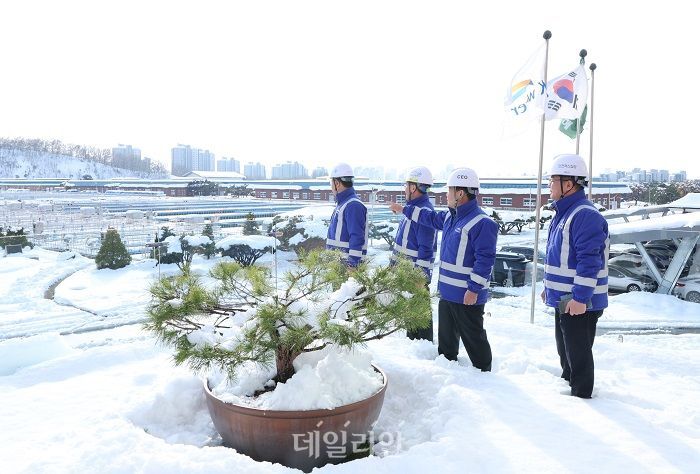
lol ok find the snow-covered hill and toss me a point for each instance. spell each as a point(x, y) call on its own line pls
point(32, 164)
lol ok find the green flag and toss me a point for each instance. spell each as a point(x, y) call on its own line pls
point(568, 126)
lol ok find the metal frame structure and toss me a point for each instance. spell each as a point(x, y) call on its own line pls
point(684, 231)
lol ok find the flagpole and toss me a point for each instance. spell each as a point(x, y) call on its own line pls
point(547, 34)
point(590, 148)
point(582, 54)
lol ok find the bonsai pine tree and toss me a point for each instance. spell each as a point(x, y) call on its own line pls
point(244, 254)
point(292, 226)
point(112, 253)
point(244, 318)
point(382, 231)
point(165, 232)
point(251, 226)
point(209, 249)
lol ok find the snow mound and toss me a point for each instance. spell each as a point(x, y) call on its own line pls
point(16, 354)
point(177, 415)
point(257, 242)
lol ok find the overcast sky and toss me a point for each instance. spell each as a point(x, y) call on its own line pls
point(392, 83)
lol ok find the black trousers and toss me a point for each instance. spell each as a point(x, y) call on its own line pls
point(457, 321)
point(575, 336)
point(425, 333)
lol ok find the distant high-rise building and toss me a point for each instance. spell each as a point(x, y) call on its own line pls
point(664, 176)
point(254, 171)
point(289, 170)
point(228, 164)
point(680, 176)
point(181, 160)
point(319, 172)
point(184, 159)
point(202, 160)
point(125, 156)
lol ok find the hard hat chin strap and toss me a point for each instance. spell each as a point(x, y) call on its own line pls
point(561, 186)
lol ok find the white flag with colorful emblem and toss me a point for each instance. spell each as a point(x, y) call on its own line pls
point(525, 95)
point(567, 95)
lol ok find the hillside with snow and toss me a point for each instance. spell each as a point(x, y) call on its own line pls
point(33, 164)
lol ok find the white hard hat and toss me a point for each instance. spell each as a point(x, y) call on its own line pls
point(341, 170)
point(568, 165)
point(463, 178)
point(420, 175)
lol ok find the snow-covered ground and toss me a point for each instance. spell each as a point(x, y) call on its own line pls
point(84, 389)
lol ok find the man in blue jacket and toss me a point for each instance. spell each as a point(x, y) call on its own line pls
point(576, 271)
point(348, 230)
point(467, 255)
point(418, 242)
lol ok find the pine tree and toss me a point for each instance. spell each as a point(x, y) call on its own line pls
point(209, 249)
point(14, 237)
point(377, 302)
point(165, 232)
point(112, 253)
point(382, 231)
point(251, 226)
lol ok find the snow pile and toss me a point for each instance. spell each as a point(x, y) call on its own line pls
point(257, 242)
point(338, 378)
point(197, 240)
point(173, 244)
point(178, 414)
point(24, 352)
point(649, 310)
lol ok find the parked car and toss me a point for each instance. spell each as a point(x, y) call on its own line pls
point(662, 254)
point(688, 288)
point(509, 269)
point(524, 250)
point(623, 280)
point(631, 262)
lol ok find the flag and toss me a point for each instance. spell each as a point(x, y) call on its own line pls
point(568, 126)
point(567, 95)
point(525, 96)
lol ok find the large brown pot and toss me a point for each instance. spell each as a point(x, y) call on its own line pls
point(301, 439)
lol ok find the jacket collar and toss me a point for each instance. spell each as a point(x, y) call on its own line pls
point(423, 198)
point(343, 196)
point(465, 209)
point(563, 204)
